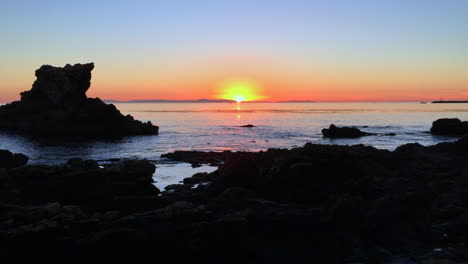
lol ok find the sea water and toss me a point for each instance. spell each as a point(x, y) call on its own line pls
point(217, 127)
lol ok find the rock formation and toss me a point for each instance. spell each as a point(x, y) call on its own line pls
point(343, 132)
point(449, 127)
point(57, 106)
point(9, 160)
point(312, 204)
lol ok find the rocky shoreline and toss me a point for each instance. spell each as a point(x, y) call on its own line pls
point(316, 203)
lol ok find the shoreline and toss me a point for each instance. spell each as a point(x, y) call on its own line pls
point(357, 211)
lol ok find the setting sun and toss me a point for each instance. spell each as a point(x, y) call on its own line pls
point(239, 90)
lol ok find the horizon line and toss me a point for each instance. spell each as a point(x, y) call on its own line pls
point(204, 100)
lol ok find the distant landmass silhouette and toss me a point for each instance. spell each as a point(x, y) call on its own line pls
point(146, 101)
point(450, 102)
point(171, 101)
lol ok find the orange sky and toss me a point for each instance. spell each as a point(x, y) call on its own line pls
point(274, 80)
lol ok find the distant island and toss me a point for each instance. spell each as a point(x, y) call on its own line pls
point(449, 102)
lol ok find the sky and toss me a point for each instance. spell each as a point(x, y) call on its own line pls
point(323, 50)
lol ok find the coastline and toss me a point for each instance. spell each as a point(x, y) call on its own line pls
point(334, 204)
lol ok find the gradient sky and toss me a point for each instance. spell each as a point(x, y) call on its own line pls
point(294, 50)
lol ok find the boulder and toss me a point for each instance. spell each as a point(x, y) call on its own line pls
point(9, 160)
point(343, 132)
point(449, 127)
point(57, 106)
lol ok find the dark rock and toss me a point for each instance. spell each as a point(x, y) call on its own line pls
point(10, 160)
point(57, 106)
point(199, 157)
point(236, 195)
point(198, 178)
point(410, 147)
point(249, 125)
point(449, 127)
point(83, 164)
point(84, 183)
point(343, 132)
point(316, 203)
point(133, 169)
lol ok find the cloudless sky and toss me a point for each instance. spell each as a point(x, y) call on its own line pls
point(292, 50)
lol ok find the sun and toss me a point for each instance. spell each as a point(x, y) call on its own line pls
point(239, 90)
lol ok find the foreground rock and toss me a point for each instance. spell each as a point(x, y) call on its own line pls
point(343, 132)
point(313, 204)
point(57, 106)
point(10, 160)
point(199, 157)
point(449, 127)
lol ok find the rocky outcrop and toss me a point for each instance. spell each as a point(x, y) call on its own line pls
point(198, 157)
point(343, 132)
point(449, 127)
point(316, 203)
point(57, 106)
point(10, 160)
point(122, 186)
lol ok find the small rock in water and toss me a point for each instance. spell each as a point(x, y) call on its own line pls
point(249, 125)
point(343, 132)
point(449, 127)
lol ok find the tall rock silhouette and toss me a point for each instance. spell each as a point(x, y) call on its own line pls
point(57, 106)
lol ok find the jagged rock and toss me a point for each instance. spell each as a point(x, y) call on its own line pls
point(449, 127)
point(127, 184)
point(343, 132)
point(10, 160)
point(61, 85)
point(57, 106)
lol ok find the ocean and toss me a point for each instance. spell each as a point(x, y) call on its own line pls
point(216, 127)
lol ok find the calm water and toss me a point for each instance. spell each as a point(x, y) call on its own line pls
point(215, 127)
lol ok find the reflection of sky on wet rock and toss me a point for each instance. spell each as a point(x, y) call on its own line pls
point(216, 127)
point(167, 174)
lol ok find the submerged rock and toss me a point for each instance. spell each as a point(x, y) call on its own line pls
point(449, 127)
point(57, 106)
point(343, 132)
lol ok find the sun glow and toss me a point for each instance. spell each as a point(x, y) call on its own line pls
point(239, 90)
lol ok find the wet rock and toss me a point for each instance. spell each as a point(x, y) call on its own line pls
point(10, 160)
point(249, 125)
point(134, 169)
point(83, 164)
point(57, 106)
point(198, 178)
point(82, 182)
point(198, 157)
point(449, 127)
point(343, 132)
